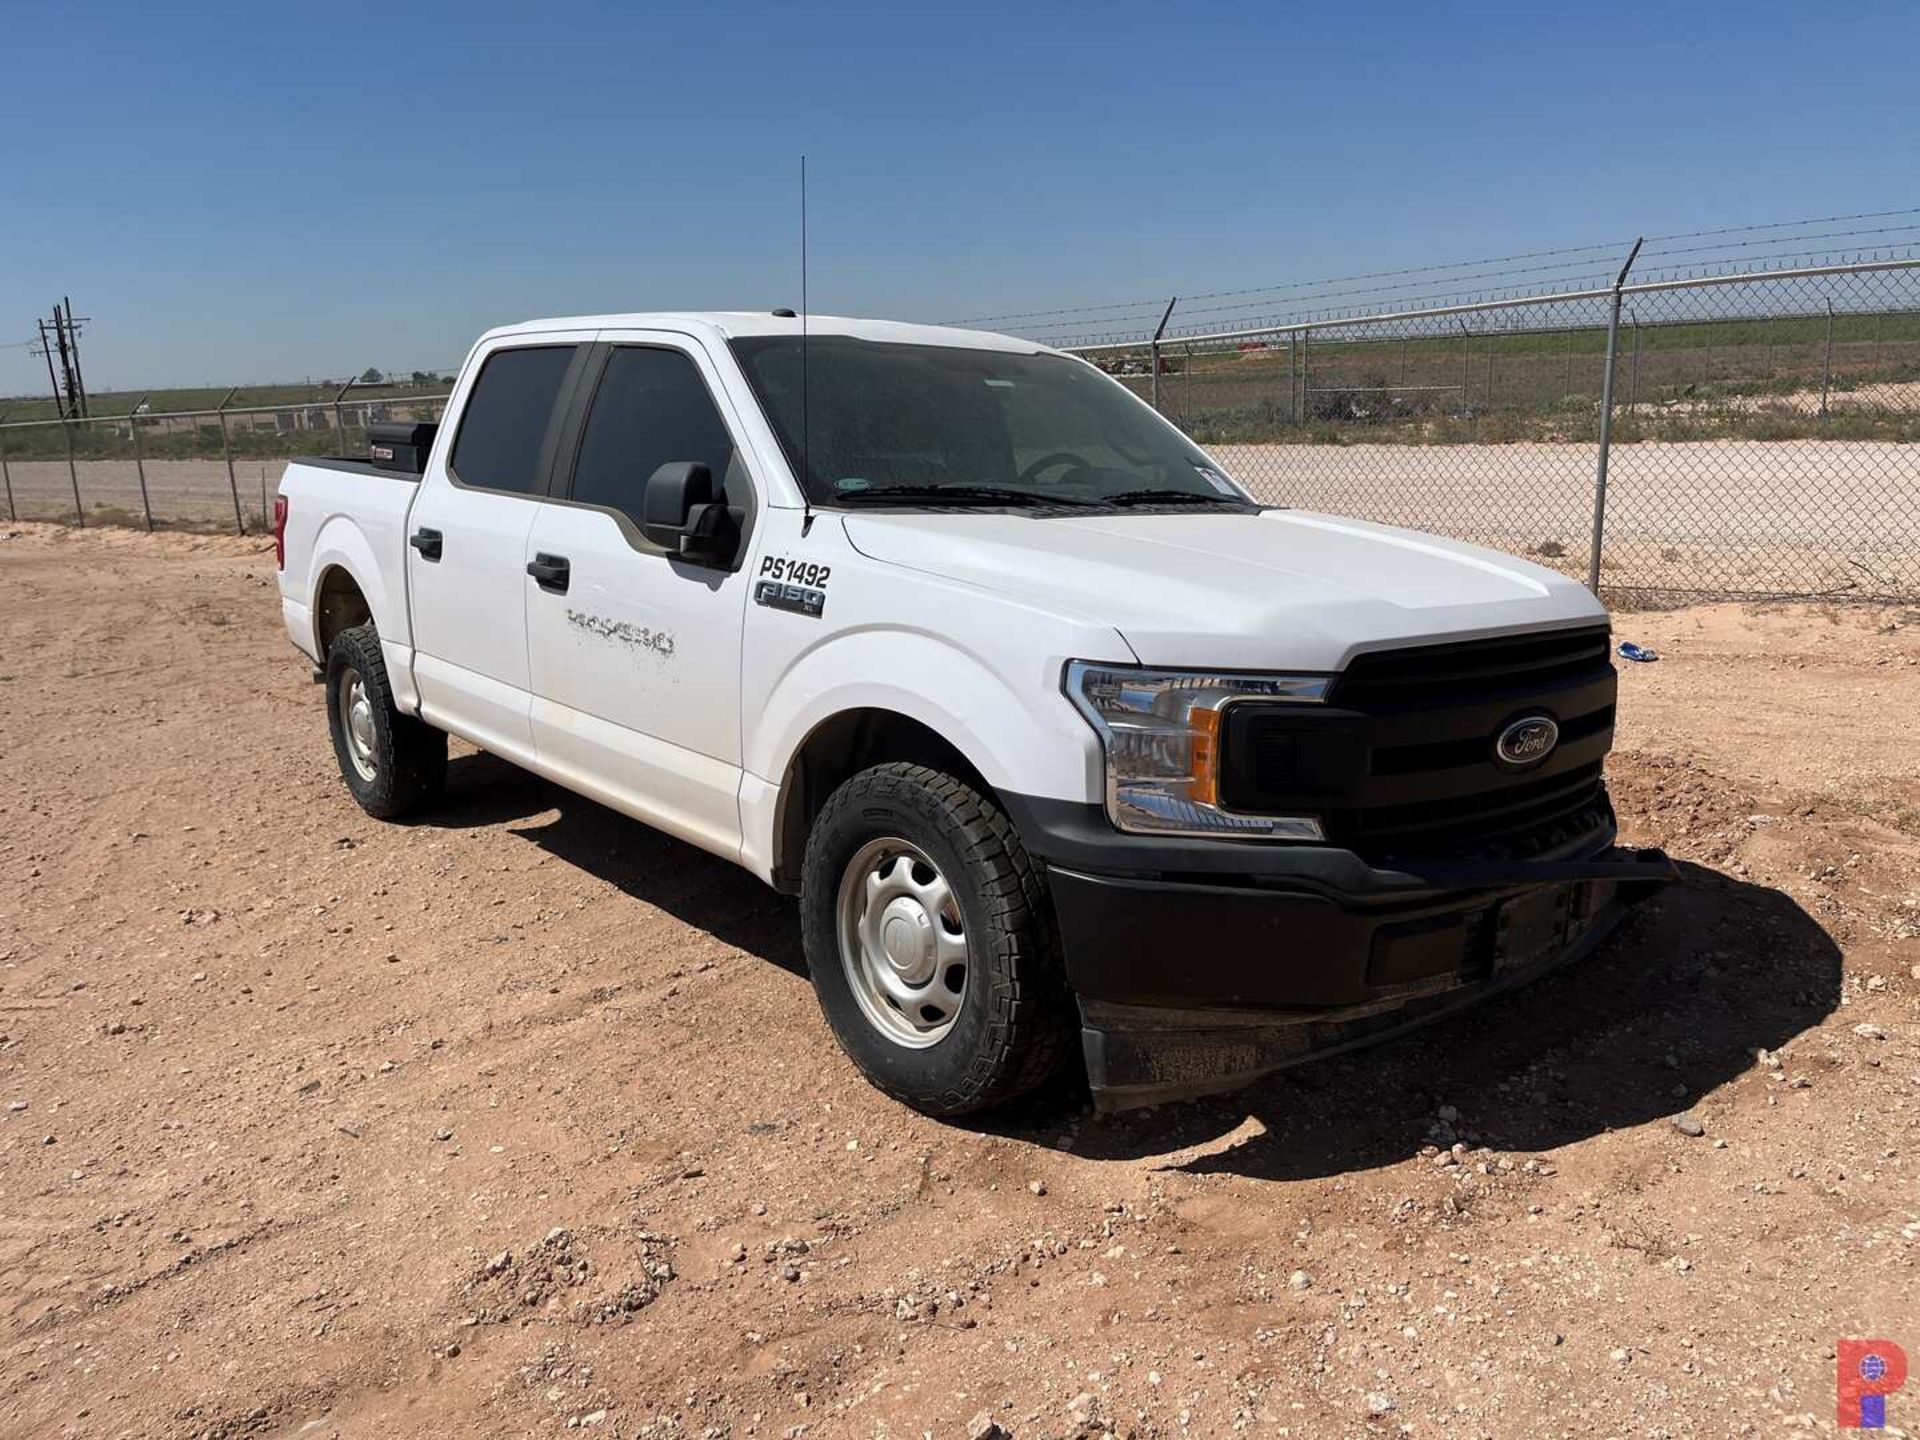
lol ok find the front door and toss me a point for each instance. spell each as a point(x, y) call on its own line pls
point(634, 654)
point(467, 542)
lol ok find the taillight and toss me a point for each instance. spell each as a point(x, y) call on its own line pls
point(279, 532)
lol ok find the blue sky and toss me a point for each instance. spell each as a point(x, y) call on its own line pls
point(235, 195)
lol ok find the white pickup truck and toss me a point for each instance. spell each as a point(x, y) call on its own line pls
point(1057, 733)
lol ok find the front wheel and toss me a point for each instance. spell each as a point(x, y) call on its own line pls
point(392, 763)
point(931, 942)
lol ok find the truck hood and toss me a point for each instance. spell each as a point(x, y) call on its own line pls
point(1280, 589)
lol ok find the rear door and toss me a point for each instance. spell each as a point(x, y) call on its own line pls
point(634, 653)
point(467, 541)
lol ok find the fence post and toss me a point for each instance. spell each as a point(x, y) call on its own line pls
point(1606, 423)
point(1306, 344)
point(1153, 351)
point(1826, 368)
point(1293, 374)
point(6, 469)
point(1187, 403)
point(339, 420)
point(1633, 386)
point(226, 453)
point(79, 510)
point(140, 460)
point(1466, 368)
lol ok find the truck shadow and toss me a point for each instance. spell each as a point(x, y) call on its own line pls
point(654, 868)
point(1674, 1004)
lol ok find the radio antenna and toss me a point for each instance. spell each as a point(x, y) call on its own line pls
point(806, 453)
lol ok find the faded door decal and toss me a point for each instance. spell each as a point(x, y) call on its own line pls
point(623, 632)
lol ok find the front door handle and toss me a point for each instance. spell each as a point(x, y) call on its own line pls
point(427, 542)
point(550, 572)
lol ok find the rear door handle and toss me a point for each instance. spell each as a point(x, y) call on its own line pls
point(427, 542)
point(550, 572)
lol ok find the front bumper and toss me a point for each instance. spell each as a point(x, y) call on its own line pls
point(1195, 978)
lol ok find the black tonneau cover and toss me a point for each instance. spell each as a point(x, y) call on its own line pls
point(355, 466)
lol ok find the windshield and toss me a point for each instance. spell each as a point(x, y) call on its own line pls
point(940, 425)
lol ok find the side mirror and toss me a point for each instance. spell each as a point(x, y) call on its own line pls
point(679, 513)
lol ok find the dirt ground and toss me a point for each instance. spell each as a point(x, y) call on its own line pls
point(1871, 395)
point(522, 1120)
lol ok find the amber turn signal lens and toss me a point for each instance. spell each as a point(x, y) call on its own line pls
point(1204, 785)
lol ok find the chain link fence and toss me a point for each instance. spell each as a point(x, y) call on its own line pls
point(1735, 436)
point(1756, 440)
point(186, 469)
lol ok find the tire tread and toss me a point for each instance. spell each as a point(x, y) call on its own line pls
point(412, 770)
point(1030, 1029)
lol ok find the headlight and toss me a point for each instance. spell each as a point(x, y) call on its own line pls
point(1161, 730)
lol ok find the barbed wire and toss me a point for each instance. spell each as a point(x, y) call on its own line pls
point(1498, 278)
point(1785, 224)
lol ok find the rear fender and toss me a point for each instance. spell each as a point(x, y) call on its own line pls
point(340, 544)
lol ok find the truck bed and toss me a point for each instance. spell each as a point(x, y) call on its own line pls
point(352, 514)
point(356, 465)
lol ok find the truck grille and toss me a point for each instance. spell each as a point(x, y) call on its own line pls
point(1400, 764)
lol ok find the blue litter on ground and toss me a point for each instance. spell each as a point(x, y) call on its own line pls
point(1642, 653)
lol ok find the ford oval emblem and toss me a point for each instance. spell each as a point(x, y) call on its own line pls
point(1526, 742)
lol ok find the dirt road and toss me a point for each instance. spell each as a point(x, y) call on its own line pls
point(522, 1120)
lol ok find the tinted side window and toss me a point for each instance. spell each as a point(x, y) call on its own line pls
point(651, 409)
point(505, 423)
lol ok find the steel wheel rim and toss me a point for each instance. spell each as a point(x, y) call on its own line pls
point(902, 943)
point(356, 723)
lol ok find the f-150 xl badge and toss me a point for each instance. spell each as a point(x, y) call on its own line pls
point(801, 599)
point(789, 584)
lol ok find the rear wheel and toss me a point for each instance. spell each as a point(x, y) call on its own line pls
point(393, 764)
point(931, 942)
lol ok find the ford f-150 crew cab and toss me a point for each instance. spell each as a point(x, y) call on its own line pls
point(1065, 742)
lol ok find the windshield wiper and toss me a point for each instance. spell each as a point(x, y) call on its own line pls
point(1170, 497)
point(955, 494)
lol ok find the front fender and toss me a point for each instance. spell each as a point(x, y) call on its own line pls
point(1022, 737)
point(1032, 742)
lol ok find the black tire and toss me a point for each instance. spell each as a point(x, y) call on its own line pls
point(1014, 1027)
point(408, 757)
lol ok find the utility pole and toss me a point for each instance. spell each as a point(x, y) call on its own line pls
point(69, 389)
point(46, 351)
point(73, 343)
point(72, 408)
